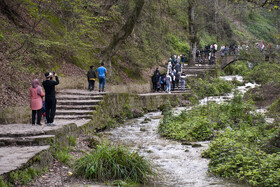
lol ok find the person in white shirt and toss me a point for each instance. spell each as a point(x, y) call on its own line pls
point(168, 82)
point(169, 67)
point(183, 81)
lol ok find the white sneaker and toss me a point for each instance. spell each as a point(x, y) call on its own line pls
point(51, 124)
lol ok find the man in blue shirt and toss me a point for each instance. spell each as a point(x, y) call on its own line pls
point(101, 74)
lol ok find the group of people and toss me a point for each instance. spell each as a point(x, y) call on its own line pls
point(167, 82)
point(38, 106)
point(101, 74)
point(207, 54)
point(47, 107)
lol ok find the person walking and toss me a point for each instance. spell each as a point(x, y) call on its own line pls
point(36, 101)
point(50, 100)
point(101, 74)
point(177, 78)
point(183, 81)
point(168, 82)
point(173, 79)
point(169, 67)
point(178, 67)
point(183, 59)
point(91, 75)
point(154, 81)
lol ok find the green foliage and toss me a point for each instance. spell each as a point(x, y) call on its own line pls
point(62, 153)
point(178, 46)
point(127, 113)
point(201, 122)
point(237, 154)
point(1, 36)
point(265, 72)
point(63, 156)
point(210, 86)
point(274, 108)
point(238, 68)
point(113, 163)
point(261, 27)
point(72, 141)
point(4, 183)
point(23, 177)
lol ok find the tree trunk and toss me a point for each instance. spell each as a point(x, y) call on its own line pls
point(193, 33)
point(121, 36)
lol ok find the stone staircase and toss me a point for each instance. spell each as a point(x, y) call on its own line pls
point(77, 104)
point(73, 106)
point(26, 141)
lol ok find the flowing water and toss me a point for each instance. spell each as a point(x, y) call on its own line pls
point(179, 165)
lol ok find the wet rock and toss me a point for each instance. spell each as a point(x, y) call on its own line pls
point(196, 145)
point(143, 129)
point(146, 120)
point(187, 150)
point(186, 143)
point(93, 141)
point(156, 117)
point(137, 113)
point(185, 103)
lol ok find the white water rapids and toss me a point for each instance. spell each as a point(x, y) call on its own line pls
point(179, 165)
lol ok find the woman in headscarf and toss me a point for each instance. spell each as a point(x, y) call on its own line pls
point(36, 101)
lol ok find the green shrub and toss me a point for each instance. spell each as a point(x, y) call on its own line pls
point(23, 177)
point(177, 45)
point(72, 141)
point(113, 163)
point(63, 156)
point(210, 86)
point(264, 73)
point(201, 122)
point(236, 154)
point(274, 109)
point(238, 68)
point(4, 183)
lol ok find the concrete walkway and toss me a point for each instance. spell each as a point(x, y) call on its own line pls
point(19, 143)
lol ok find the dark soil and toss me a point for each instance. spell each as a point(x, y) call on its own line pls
point(60, 174)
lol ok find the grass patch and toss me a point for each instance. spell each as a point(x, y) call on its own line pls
point(23, 177)
point(113, 163)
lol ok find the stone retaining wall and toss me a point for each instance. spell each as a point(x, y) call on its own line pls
point(15, 115)
point(116, 106)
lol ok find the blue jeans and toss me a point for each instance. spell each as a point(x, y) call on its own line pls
point(168, 87)
point(101, 82)
point(183, 84)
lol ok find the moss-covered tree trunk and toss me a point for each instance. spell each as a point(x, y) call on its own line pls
point(121, 36)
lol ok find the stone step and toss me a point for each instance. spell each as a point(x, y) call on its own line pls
point(76, 107)
point(78, 102)
point(13, 158)
point(197, 70)
point(27, 141)
point(179, 91)
point(200, 67)
point(74, 112)
point(81, 92)
point(73, 117)
point(61, 97)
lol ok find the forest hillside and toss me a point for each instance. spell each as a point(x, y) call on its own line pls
point(130, 37)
